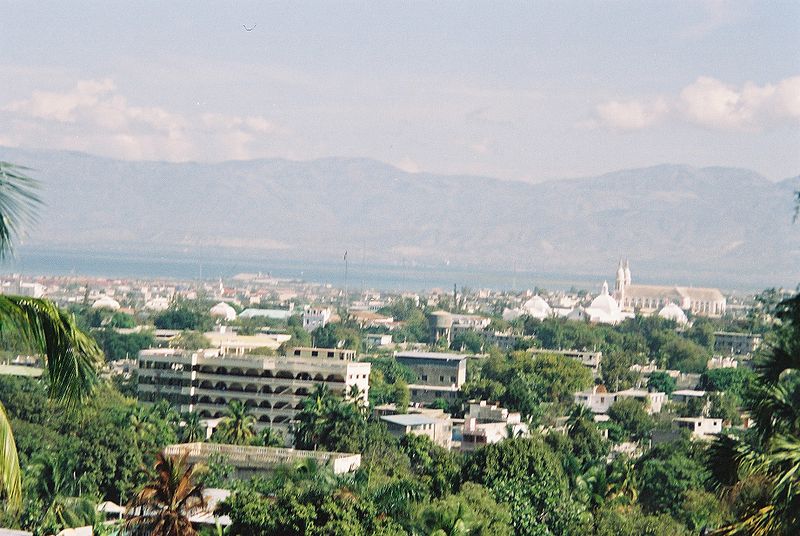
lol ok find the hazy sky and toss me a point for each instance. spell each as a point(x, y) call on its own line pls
point(529, 90)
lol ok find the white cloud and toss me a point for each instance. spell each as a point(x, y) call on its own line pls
point(631, 115)
point(94, 117)
point(710, 103)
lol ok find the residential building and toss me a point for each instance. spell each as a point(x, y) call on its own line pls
point(341, 354)
point(485, 424)
point(736, 343)
point(438, 374)
point(251, 461)
point(378, 339)
point(272, 387)
point(599, 400)
point(700, 427)
point(722, 362)
point(316, 317)
point(684, 395)
point(433, 423)
point(448, 325)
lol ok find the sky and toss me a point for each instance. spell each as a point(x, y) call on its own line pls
point(515, 90)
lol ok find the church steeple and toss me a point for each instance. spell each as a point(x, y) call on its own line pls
point(620, 282)
point(627, 273)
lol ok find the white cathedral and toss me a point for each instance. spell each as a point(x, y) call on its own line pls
point(649, 299)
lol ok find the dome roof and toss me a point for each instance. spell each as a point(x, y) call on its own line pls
point(673, 312)
point(605, 303)
point(106, 302)
point(537, 308)
point(223, 310)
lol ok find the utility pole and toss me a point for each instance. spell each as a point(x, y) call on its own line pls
point(455, 298)
point(345, 281)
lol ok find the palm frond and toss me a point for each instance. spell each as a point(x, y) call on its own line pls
point(10, 476)
point(18, 203)
point(71, 356)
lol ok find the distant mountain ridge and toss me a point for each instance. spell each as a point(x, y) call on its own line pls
point(674, 222)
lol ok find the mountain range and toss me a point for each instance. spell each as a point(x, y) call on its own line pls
point(677, 223)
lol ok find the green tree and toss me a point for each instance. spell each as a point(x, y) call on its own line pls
point(771, 452)
point(524, 474)
point(734, 381)
point(471, 512)
point(237, 427)
point(164, 506)
point(185, 315)
point(71, 357)
point(190, 340)
point(666, 473)
point(192, 430)
point(662, 382)
point(632, 416)
point(469, 341)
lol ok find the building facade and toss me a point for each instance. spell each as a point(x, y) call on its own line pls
point(650, 299)
point(598, 400)
point(438, 374)
point(726, 342)
point(316, 317)
point(273, 388)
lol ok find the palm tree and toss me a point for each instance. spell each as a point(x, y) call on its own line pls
point(51, 478)
point(269, 437)
point(192, 428)
point(237, 427)
point(70, 356)
point(163, 507)
point(579, 415)
point(622, 486)
point(356, 394)
point(774, 453)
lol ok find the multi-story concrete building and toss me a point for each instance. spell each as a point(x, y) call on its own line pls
point(448, 325)
point(700, 427)
point(341, 354)
point(438, 375)
point(485, 424)
point(736, 343)
point(316, 317)
point(273, 388)
point(433, 423)
point(599, 400)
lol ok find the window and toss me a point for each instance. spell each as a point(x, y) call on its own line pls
point(424, 377)
point(441, 378)
point(330, 354)
point(453, 379)
point(314, 353)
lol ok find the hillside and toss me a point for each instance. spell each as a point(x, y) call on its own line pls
point(674, 222)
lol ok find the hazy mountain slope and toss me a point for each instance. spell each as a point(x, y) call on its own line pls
point(672, 221)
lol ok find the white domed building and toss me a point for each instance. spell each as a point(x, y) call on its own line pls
point(223, 311)
point(672, 312)
point(604, 309)
point(106, 302)
point(535, 307)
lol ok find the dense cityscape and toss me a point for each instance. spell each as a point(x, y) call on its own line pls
point(299, 408)
point(429, 268)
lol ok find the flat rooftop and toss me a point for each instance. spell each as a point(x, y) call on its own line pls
point(431, 355)
point(409, 419)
